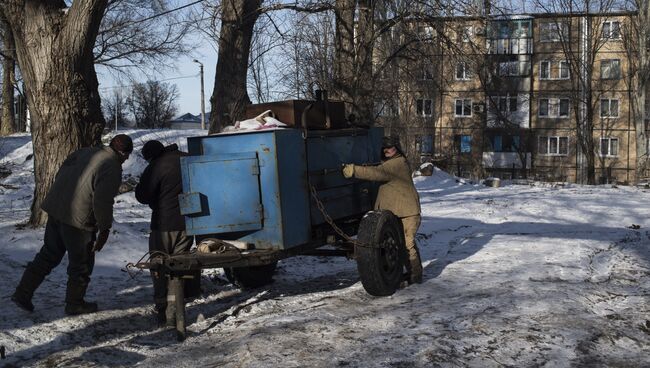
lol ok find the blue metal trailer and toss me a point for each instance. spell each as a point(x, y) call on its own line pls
point(253, 198)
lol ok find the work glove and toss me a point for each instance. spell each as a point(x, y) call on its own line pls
point(348, 170)
point(102, 237)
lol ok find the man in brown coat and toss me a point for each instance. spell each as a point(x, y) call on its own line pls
point(397, 194)
point(79, 204)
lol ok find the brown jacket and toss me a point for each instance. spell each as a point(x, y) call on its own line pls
point(397, 194)
point(84, 188)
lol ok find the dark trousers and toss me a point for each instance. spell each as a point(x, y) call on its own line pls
point(59, 239)
point(170, 243)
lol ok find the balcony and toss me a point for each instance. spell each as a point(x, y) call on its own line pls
point(504, 160)
point(510, 46)
point(511, 108)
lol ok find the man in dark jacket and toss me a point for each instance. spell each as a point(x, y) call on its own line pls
point(159, 187)
point(79, 204)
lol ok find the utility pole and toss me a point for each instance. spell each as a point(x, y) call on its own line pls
point(202, 96)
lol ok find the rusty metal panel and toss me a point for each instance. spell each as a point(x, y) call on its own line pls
point(321, 114)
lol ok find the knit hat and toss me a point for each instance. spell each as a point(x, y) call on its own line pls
point(122, 143)
point(152, 149)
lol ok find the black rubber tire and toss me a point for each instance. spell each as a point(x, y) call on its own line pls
point(381, 253)
point(251, 277)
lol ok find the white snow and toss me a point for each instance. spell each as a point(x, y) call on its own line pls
point(520, 275)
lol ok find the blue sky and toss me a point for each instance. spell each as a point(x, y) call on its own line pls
point(185, 75)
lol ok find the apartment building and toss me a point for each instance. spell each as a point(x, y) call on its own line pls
point(516, 96)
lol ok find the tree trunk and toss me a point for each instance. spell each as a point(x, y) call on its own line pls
point(230, 96)
point(7, 120)
point(54, 51)
point(641, 36)
point(590, 151)
point(21, 122)
point(344, 53)
point(363, 93)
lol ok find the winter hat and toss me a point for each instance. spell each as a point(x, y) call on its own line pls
point(391, 141)
point(152, 149)
point(122, 143)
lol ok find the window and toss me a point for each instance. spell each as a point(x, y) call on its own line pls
point(463, 107)
point(545, 70)
point(553, 108)
point(543, 107)
point(609, 147)
point(505, 103)
point(608, 108)
point(426, 33)
point(612, 30)
point(554, 146)
point(463, 143)
point(462, 71)
point(553, 31)
point(466, 33)
point(514, 68)
point(502, 143)
point(424, 107)
point(427, 73)
point(504, 30)
point(497, 143)
point(521, 28)
point(564, 70)
point(610, 69)
point(424, 144)
point(512, 104)
point(386, 108)
point(564, 107)
point(548, 71)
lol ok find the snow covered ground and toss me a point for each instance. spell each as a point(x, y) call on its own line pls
point(520, 276)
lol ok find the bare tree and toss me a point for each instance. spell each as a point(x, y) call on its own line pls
point(581, 38)
point(235, 21)
point(115, 106)
point(309, 56)
point(7, 120)
point(636, 36)
point(153, 104)
point(139, 34)
point(54, 48)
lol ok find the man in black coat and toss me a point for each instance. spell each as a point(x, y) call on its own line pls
point(159, 187)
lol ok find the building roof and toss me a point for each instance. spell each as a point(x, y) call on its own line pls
point(189, 118)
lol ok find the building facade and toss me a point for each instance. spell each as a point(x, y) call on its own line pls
point(545, 96)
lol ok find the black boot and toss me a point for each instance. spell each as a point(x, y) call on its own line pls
point(23, 301)
point(160, 311)
point(74, 300)
point(25, 289)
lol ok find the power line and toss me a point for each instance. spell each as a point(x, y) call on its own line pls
point(166, 12)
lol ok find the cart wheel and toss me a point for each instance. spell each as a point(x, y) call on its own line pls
point(251, 277)
point(380, 253)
